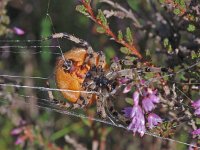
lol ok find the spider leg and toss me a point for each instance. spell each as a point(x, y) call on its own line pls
point(88, 85)
point(100, 106)
point(63, 104)
point(84, 99)
point(102, 59)
point(82, 102)
point(115, 66)
point(90, 58)
point(71, 38)
point(96, 59)
point(55, 101)
point(116, 69)
point(76, 40)
point(91, 86)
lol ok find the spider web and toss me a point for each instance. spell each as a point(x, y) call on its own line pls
point(43, 102)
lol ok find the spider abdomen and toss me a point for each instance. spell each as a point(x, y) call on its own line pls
point(71, 72)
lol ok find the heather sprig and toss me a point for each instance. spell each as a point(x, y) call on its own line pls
point(102, 21)
point(137, 113)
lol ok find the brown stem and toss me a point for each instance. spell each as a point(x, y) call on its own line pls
point(109, 32)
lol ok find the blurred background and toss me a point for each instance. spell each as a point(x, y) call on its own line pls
point(24, 125)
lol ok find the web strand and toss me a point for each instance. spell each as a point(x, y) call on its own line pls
point(22, 77)
point(172, 74)
point(45, 88)
point(19, 41)
point(61, 51)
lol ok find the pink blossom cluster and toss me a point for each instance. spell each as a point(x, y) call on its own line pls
point(138, 112)
point(196, 106)
point(22, 133)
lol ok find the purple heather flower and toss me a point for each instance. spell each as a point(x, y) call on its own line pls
point(142, 82)
point(136, 98)
point(196, 106)
point(19, 141)
point(192, 146)
point(136, 114)
point(138, 121)
point(16, 131)
point(197, 112)
point(123, 80)
point(196, 132)
point(154, 98)
point(127, 88)
point(18, 31)
point(148, 102)
point(153, 120)
point(127, 112)
point(115, 59)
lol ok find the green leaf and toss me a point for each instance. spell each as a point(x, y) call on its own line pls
point(191, 28)
point(134, 4)
point(120, 35)
point(86, 122)
point(102, 18)
point(182, 77)
point(125, 50)
point(129, 36)
point(100, 29)
point(182, 3)
point(149, 75)
point(83, 21)
point(193, 55)
point(131, 58)
point(148, 53)
point(60, 133)
point(110, 53)
point(87, 1)
point(129, 100)
point(177, 11)
point(82, 9)
point(197, 121)
point(166, 42)
point(170, 50)
point(161, 1)
point(176, 1)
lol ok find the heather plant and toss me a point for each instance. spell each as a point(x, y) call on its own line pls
point(167, 27)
